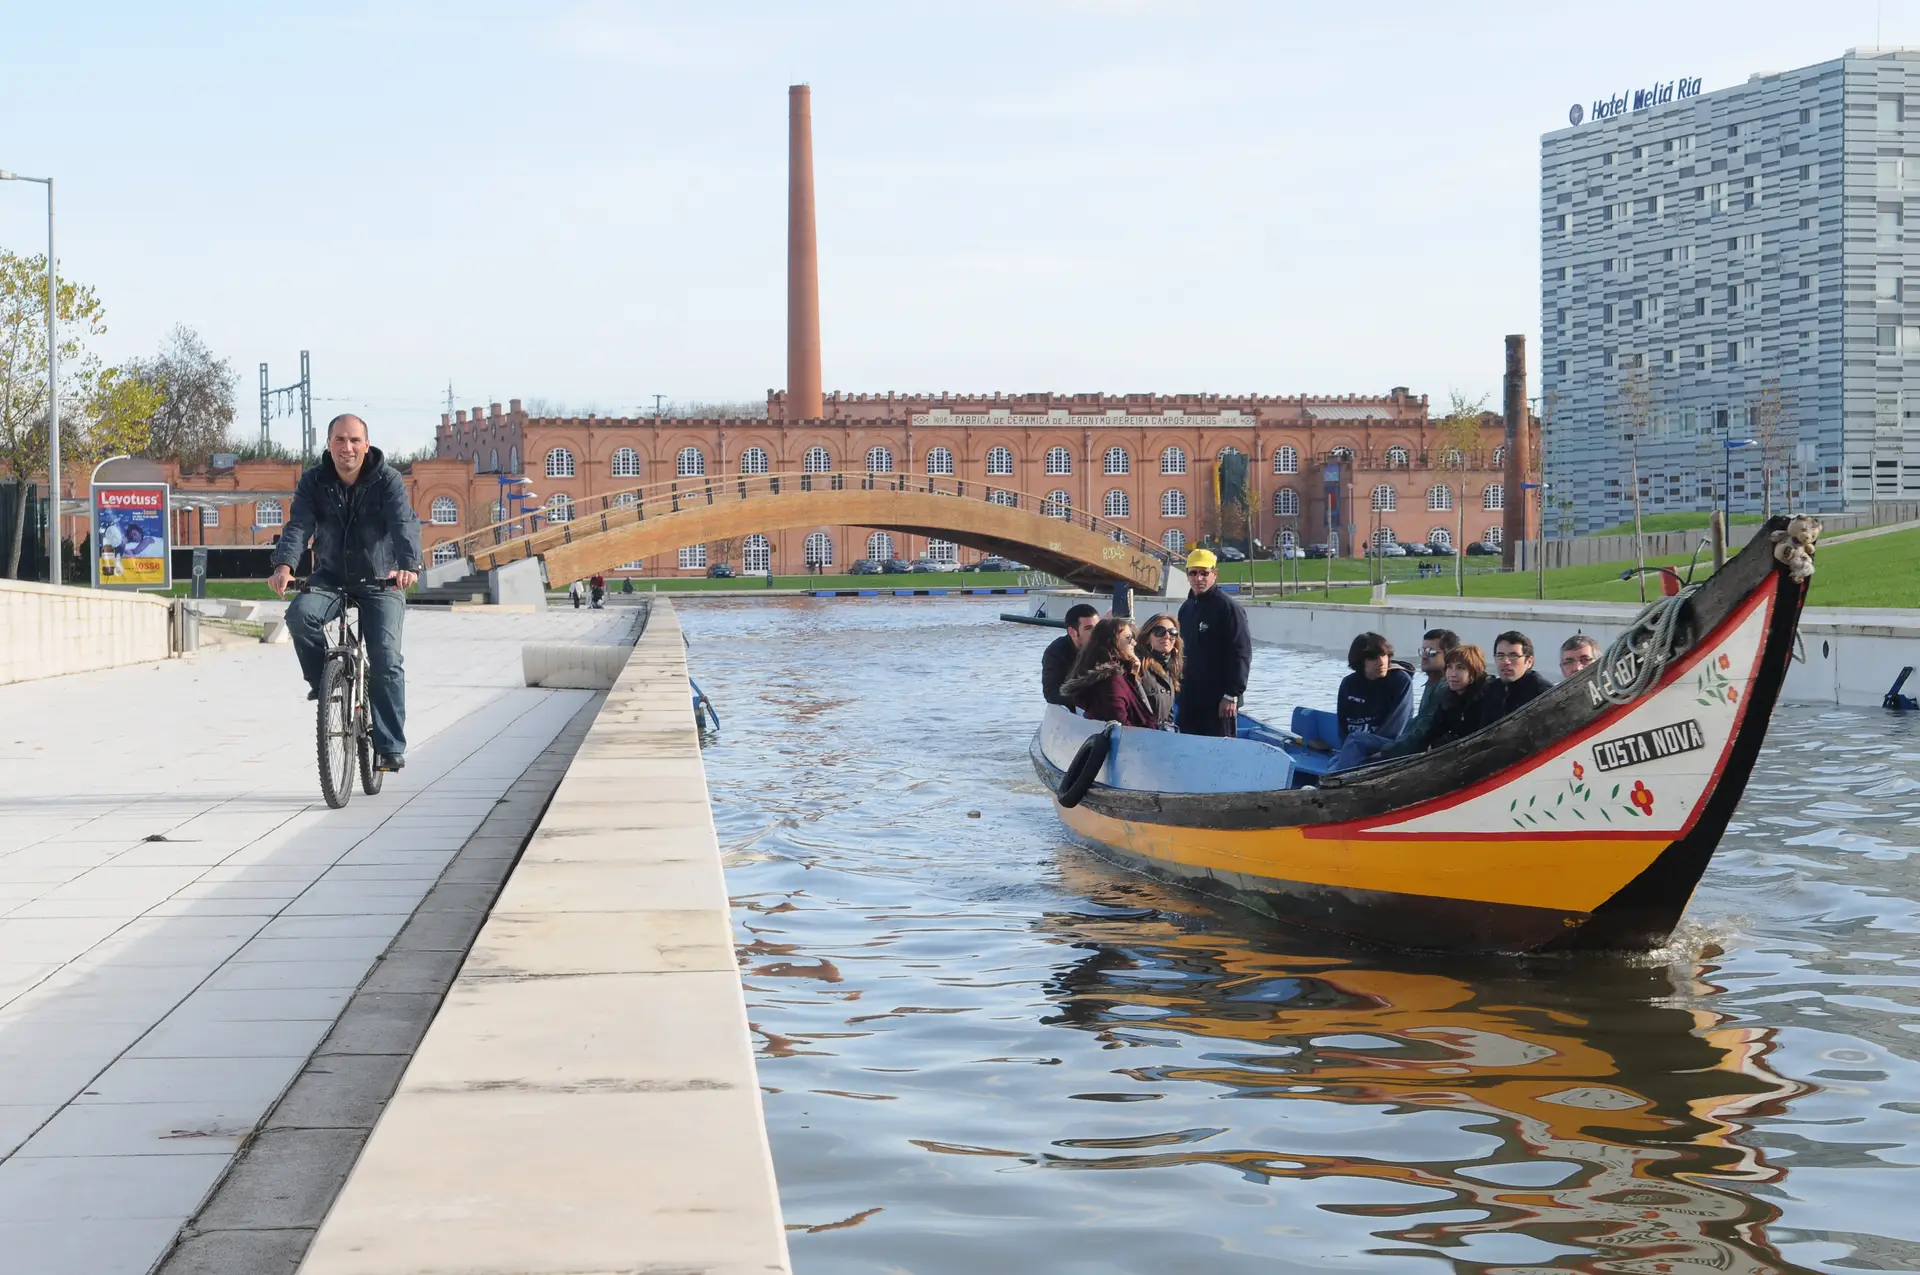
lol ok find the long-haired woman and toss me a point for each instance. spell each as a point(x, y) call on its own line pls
point(1104, 681)
point(1162, 661)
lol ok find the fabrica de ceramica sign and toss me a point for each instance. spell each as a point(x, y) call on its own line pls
point(1606, 108)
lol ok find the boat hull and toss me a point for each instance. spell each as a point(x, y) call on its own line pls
point(1574, 823)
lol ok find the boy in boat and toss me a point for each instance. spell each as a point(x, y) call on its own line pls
point(1374, 703)
point(1063, 650)
point(1219, 650)
point(1518, 681)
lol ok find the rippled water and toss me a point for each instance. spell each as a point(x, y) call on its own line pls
point(986, 1050)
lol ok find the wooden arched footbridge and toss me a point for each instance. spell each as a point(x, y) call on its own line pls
point(640, 522)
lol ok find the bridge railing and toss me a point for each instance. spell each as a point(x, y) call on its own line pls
point(544, 527)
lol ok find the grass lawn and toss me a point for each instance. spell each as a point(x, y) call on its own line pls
point(1670, 522)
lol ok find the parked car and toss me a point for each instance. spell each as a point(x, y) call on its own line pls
point(1439, 550)
point(1319, 550)
point(1388, 550)
point(927, 566)
point(1481, 549)
point(896, 567)
point(1284, 552)
point(865, 567)
point(720, 571)
point(1414, 549)
point(994, 562)
point(1227, 553)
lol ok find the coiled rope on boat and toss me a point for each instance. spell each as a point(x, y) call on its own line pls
point(1649, 641)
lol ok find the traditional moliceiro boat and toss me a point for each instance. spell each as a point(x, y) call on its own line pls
point(1583, 820)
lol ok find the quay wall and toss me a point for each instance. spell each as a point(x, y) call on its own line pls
point(1851, 654)
point(586, 1098)
point(49, 632)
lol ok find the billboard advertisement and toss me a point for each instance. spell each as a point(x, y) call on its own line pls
point(130, 536)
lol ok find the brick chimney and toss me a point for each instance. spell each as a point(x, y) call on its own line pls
point(803, 263)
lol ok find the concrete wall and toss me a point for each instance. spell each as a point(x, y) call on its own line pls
point(47, 632)
point(1851, 655)
point(586, 1098)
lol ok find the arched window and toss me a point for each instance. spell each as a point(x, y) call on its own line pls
point(1382, 537)
point(753, 461)
point(513, 459)
point(559, 463)
point(1493, 536)
point(1440, 536)
point(493, 461)
point(1173, 461)
point(1439, 496)
point(692, 463)
point(1118, 462)
point(997, 497)
point(498, 513)
point(940, 461)
point(999, 462)
point(1288, 540)
point(1059, 461)
point(1286, 461)
point(693, 558)
point(444, 511)
point(559, 507)
point(1058, 504)
point(819, 547)
point(1340, 454)
point(817, 461)
point(626, 463)
point(270, 513)
point(1495, 497)
point(755, 553)
point(1116, 504)
point(1174, 539)
point(446, 551)
point(1286, 503)
point(1173, 504)
point(625, 500)
point(879, 460)
point(1385, 499)
point(1500, 456)
point(879, 547)
point(1451, 458)
point(1397, 458)
point(476, 462)
point(942, 551)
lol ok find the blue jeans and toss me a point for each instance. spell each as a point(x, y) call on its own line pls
point(1358, 749)
point(381, 613)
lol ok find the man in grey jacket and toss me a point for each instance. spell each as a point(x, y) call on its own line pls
point(366, 546)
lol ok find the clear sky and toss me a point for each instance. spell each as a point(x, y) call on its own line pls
point(585, 203)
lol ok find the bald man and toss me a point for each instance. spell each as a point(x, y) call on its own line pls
point(353, 507)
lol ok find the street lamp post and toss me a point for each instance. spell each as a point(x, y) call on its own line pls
point(53, 392)
point(1731, 445)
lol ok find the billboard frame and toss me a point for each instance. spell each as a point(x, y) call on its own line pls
point(94, 492)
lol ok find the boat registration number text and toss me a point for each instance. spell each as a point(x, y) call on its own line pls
point(1649, 745)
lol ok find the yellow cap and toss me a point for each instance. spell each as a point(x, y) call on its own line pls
point(1202, 558)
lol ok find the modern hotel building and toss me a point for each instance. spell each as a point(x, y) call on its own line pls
point(1734, 266)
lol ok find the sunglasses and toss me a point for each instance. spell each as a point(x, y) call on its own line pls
point(1199, 571)
point(1159, 630)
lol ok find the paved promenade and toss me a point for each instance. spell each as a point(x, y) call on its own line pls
point(182, 919)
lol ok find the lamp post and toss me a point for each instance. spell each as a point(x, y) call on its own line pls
point(53, 393)
point(1731, 445)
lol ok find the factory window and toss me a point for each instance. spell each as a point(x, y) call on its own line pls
point(1173, 504)
point(691, 463)
point(819, 549)
point(1439, 496)
point(995, 496)
point(1500, 456)
point(559, 463)
point(1385, 498)
point(1495, 497)
point(879, 547)
point(1384, 536)
point(1058, 504)
point(756, 554)
point(626, 500)
point(1174, 539)
point(626, 463)
point(444, 511)
point(209, 515)
point(1440, 536)
point(1117, 461)
point(1059, 461)
point(940, 461)
point(493, 461)
point(1173, 461)
point(446, 551)
point(1492, 536)
point(560, 507)
point(1286, 503)
point(269, 513)
point(816, 461)
point(1286, 461)
point(1397, 458)
point(1116, 504)
point(1452, 459)
point(693, 558)
point(753, 461)
point(879, 460)
point(944, 552)
point(1000, 461)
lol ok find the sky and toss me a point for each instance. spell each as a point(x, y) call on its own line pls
point(585, 203)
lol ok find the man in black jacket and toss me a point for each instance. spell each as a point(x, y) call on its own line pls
point(1219, 653)
point(365, 536)
point(1060, 654)
point(1516, 682)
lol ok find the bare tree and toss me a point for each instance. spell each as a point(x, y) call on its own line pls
point(1459, 440)
point(196, 399)
point(724, 549)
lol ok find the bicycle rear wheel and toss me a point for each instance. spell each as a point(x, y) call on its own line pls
point(335, 733)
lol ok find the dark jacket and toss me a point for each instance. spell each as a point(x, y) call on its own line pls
point(1431, 692)
point(1054, 667)
point(1456, 715)
point(1380, 707)
point(1219, 648)
point(1157, 685)
point(1504, 697)
point(1108, 693)
point(360, 533)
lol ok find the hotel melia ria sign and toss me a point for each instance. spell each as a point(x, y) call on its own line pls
point(1606, 108)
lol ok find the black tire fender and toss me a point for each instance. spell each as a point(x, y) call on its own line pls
point(1086, 763)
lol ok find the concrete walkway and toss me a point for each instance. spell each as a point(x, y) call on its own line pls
point(182, 919)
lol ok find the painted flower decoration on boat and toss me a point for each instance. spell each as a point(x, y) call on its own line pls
point(1733, 695)
point(1642, 798)
point(1714, 685)
point(1726, 661)
point(1581, 803)
point(1579, 771)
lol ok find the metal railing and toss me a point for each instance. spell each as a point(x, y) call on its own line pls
point(536, 531)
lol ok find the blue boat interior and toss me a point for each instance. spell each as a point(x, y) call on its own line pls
point(1309, 726)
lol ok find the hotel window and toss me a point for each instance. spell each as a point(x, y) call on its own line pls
point(1286, 461)
point(816, 461)
point(753, 461)
point(1059, 461)
point(626, 463)
point(1890, 112)
point(1889, 287)
point(269, 513)
point(940, 461)
point(559, 463)
point(1286, 503)
point(1385, 499)
point(1000, 462)
point(444, 511)
point(879, 460)
point(1173, 461)
point(1494, 497)
point(1116, 504)
point(819, 549)
point(1174, 539)
point(692, 463)
point(1173, 504)
point(1058, 504)
point(879, 547)
point(693, 558)
point(1889, 219)
point(1117, 461)
point(560, 507)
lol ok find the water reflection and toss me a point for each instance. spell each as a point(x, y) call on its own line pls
point(985, 1049)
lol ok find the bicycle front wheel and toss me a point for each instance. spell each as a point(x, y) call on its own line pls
point(335, 737)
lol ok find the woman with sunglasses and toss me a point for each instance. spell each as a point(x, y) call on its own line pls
point(1161, 664)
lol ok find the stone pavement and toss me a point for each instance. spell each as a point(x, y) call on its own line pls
point(182, 919)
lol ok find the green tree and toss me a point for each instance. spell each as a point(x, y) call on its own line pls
point(1459, 433)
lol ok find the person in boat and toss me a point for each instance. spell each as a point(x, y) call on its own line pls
point(1517, 682)
point(1161, 664)
point(1219, 653)
point(1374, 704)
point(1058, 660)
point(1458, 712)
point(1434, 645)
point(1576, 653)
point(1105, 682)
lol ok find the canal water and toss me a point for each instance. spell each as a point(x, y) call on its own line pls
point(985, 1050)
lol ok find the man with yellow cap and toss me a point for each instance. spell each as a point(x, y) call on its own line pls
point(1219, 653)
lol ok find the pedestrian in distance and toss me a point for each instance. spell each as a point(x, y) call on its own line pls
point(1219, 653)
point(1105, 679)
point(599, 587)
point(576, 592)
point(1057, 663)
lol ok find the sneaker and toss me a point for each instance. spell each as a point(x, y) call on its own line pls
point(313, 697)
point(384, 762)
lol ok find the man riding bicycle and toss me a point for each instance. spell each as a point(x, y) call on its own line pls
point(365, 536)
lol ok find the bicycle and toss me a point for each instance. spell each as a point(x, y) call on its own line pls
point(343, 733)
